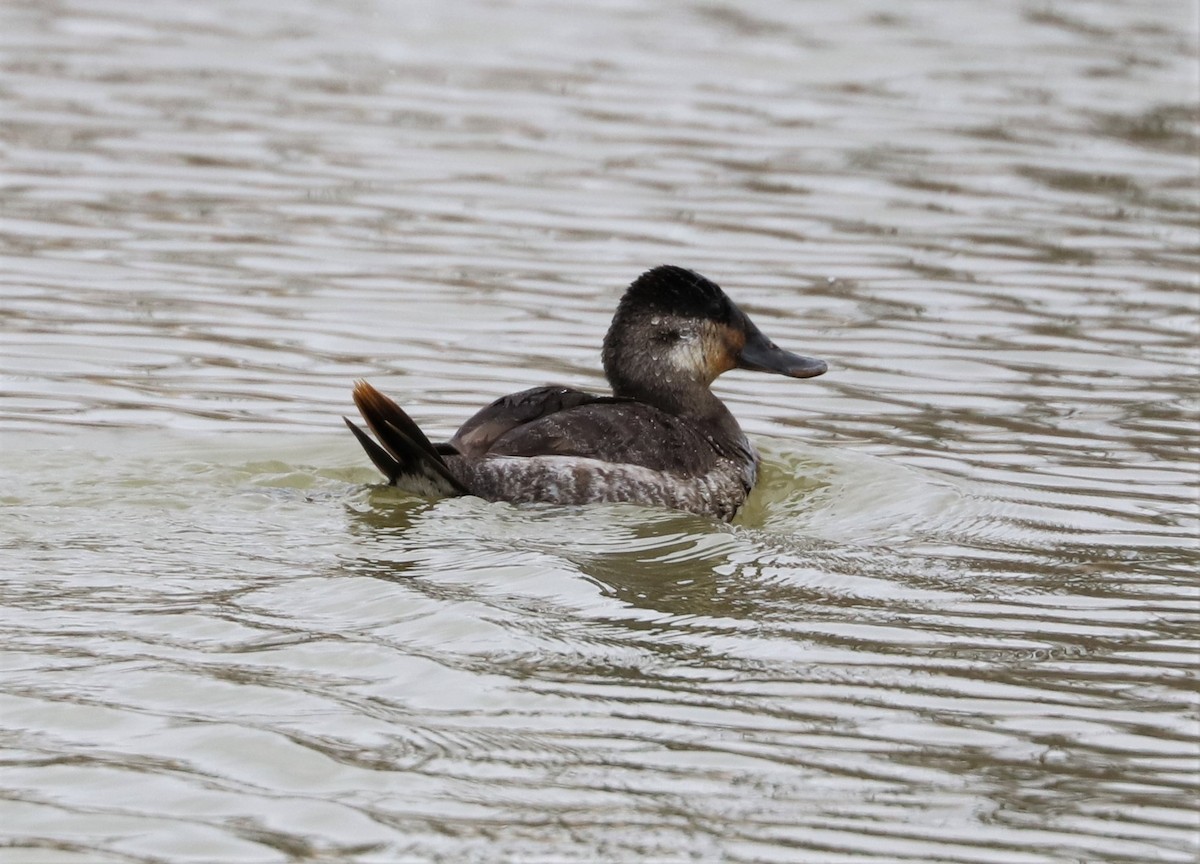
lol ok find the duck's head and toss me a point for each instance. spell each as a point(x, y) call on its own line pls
point(675, 331)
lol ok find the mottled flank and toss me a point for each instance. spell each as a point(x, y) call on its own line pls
point(719, 492)
point(661, 439)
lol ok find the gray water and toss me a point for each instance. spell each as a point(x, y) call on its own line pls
point(957, 621)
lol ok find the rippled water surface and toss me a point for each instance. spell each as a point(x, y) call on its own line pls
point(957, 622)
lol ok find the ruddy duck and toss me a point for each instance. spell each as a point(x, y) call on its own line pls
point(662, 438)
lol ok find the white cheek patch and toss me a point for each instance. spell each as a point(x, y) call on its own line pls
point(700, 354)
point(688, 357)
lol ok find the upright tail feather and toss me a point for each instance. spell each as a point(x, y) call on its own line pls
point(406, 457)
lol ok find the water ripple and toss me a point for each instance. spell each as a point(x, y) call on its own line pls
point(955, 622)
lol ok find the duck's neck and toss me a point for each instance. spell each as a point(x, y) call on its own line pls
point(695, 403)
point(671, 377)
point(692, 402)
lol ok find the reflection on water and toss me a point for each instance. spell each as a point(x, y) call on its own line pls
point(955, 622)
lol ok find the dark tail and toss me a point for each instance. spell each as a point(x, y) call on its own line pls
point(407, 458)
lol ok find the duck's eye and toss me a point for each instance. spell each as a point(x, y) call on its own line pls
point(677, 334)
point(687, 334)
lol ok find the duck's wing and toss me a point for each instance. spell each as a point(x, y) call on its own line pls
point(515, 411)
point(617, 431)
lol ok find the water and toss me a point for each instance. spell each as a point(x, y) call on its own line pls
point(957, 621)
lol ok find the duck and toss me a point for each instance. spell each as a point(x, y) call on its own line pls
point(662, 438)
